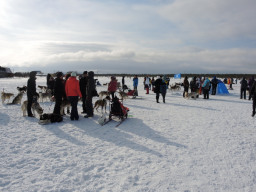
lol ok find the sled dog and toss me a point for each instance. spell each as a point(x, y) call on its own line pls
point(5, 96)
point(192, 95)
point(24, 88)
point(64, 104)
point(44, 96)
point(35, 107)
point(103, 93)
point(43, 88)
point(123, 95)
point(47, 118)
point(101, 103)
point(174, 87)
point(17, 99)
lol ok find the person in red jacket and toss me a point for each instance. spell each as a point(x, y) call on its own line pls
point(112, 86)
point(73, 92)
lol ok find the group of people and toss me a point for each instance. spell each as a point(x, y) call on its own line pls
point(200, 85)
point(70, 88)
point(66, 87)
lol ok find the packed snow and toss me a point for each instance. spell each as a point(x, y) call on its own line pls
point(182, 145)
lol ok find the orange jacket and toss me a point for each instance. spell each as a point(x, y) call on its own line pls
point(72, 87)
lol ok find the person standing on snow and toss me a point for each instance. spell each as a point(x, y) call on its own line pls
point(31, 92)
point(90, 93)
point(157, 89)
point(112, 86)
point(253, 96)
point(82, 84)
point(73, 93)
point(59, 92)
point(186, 86)
point(244, 85)
point(135, 85)
point(206, 88)
point(163, 88)
point(214, 83)
point(147, 84)
point(250, 83)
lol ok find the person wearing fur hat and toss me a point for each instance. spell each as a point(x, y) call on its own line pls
point(59, 92)
point(31, 92)
point(73, 93)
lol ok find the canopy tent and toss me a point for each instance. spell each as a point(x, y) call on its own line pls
point(222, 89)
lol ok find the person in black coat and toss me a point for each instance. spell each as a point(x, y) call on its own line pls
point(31, 92)
point(214, 83)
point(50, 83)
point(83, 84)
point(253, 96)
point(123, 82)
point(186, 85)
point(158, 83)
point(90, 92)
point(250, 84)
point(243, 88)
point(59, 92)
point(193, 85)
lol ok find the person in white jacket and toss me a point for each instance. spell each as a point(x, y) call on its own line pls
point(147, 81)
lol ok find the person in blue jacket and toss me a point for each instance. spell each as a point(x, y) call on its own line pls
point(135, 84)
point(206, 88)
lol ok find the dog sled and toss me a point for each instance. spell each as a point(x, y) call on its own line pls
point(117, 111)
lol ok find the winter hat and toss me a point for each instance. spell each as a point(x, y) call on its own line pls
point(32, 74)
point(59, 74)
point(73, 74)
point(85, 72)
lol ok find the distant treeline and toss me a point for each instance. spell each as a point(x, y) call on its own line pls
point(183, 75)
point(210, 75)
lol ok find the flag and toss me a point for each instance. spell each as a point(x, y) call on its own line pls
point(177, 76)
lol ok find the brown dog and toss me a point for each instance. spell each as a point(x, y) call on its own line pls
point(101, 103)
point(5, 96)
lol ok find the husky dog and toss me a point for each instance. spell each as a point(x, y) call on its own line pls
point(47, 118)
point(43, 96)
point(17, 99)
point(64, 104)
point(43, 88)
point(192, 95)
point(123, 95)
point(103, 93)
point(105, 84)
point(101, 103)
point(35, 107)
point(5, 96)
point(24, 88)
point(175, 87)
point(186, 95)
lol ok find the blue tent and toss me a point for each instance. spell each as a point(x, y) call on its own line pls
point(177, 76)
point(222, 89)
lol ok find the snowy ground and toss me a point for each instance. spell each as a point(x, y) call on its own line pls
point(182, 145)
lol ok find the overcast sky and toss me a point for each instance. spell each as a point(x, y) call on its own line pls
point(129, 36)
